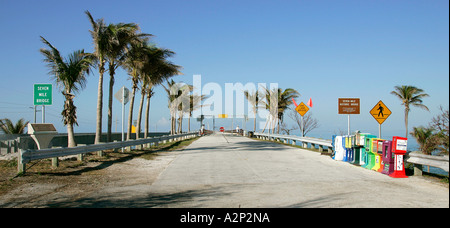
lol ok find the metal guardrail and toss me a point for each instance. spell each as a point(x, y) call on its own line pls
point(305, 140)
point(416, 158)
point(419, 159)
point(26, 156)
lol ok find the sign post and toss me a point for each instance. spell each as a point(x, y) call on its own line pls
point(380, 112)
point(42, 95)
point(302, 109)
point(348, 106)
point(123, 95)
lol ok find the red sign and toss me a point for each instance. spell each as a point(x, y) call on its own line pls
point(222, 129)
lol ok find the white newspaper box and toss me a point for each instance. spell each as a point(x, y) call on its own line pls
point(42, 134)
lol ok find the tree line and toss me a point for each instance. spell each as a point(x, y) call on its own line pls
point(115, 45)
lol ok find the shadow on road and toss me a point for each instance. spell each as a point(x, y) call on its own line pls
point(122, 199)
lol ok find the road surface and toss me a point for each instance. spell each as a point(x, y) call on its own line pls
point(225, 171)
point(221, 170)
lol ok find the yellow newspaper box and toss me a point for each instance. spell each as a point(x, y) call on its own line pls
point(377, 145)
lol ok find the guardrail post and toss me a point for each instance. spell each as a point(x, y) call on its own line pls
point(16, 145)
point(418, 169)
point(100, 152)
point(55, 160)
point(148, 145)
point(304, 144)
point(128, 148)
point(21, 167)
point(80, 156)
point(8, 146)
point(115, 149)
point(320, 148)
point(294, 142)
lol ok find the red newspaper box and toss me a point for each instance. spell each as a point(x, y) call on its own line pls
point(388, 158)
point(399, 147)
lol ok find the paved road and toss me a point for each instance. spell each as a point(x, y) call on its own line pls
point(230, 171)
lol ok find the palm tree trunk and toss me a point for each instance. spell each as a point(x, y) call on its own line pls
point(173, 124)
point(265, 125)
point(147, 117)
point(274, 123)
point(278, 127)
point(141, 105)
point(189, 123)
point(69, 115)
point(180, 122)
point(406, 121)
point(70, 136)
point(98, 129)
point(110, 101)
point(130, 112)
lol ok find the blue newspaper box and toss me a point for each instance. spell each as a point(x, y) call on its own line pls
point(344, 142)
point(359, 147)
point(368, 146)
point(351, 149)
point(333, 138)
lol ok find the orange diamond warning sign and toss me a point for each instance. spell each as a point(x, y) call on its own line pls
point(302, 109)
point(380, 112)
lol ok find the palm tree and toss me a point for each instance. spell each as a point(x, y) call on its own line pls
point(270, 104)
point(133, 63)
point(101, 39)
point(156, 71)
point(184, 104)
point(148, 87)
point(284, 101)
point(8, 127)
point(255, 100)
point(69, 75)
point(427, 140)
point(409, 95)
point(178, 96)
point(277, 102)
point(121, 35)
point(147, 66)
point(195, 102)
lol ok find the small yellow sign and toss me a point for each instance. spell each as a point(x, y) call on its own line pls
point(380, 112)
point(302, 109)
point(223, 115)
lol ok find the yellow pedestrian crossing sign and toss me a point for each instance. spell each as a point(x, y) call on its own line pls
point(302, 109)
point(380, 112)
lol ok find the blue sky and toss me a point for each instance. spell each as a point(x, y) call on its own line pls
point(324, 49)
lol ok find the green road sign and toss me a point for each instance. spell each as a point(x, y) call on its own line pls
point(42, 94)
